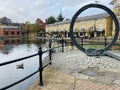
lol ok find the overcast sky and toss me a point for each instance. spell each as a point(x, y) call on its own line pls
point(30, 10)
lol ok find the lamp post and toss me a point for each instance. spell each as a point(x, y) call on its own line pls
point(57, 26)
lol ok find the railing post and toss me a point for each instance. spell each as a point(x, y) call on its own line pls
point(50, 52)
point(62, 45)
point(40, 66)
point(72, 45)
point(81, 41)
point(105, 41)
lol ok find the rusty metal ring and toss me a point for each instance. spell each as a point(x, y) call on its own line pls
point(94, 52)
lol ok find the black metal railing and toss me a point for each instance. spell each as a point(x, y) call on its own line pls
point(41, 67)
point(96, 41)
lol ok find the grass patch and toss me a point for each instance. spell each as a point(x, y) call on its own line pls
point(94, 46)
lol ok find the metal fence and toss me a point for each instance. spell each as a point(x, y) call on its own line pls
point(41, 67)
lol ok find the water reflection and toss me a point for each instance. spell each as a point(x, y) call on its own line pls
point(6, 46)
point(14, 49)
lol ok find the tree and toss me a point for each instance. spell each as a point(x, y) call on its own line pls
point(51, 20)
point(38, 28)
point(32, 28)
point(35, 28)
point(27, 27)
point(60, 18)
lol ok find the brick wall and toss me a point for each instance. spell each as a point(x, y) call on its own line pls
point(6, 32)
point(41, 23)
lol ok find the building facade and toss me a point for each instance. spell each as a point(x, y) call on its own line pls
point(10, 31)
point(8, 28)
point(41, 23)
point(88, 26)
point(116, 10)
point(5, 21)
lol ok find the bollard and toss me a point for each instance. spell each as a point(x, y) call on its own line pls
point(50, 52)
point(62, 45)
point(105, 41)
point(72, 45)
point(81, 41)
point(40, 66)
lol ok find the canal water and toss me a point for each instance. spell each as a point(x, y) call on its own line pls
point(14, 49)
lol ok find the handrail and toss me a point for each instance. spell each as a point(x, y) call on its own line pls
point(16, 60)
point(51, 49)
point(40, 69)
point(13, 84)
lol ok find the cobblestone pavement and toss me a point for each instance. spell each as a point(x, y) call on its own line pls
point(102, 69)
point(74, 70)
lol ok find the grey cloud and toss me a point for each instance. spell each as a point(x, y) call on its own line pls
point(27, 10)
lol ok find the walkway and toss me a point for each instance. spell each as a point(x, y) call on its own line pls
point(73, 70)
point(55, 80)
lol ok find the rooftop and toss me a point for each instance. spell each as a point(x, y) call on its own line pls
point(91, 17)
point(7, 27)
point(5, 20)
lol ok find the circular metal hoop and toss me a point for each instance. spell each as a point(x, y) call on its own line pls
point(94, 52)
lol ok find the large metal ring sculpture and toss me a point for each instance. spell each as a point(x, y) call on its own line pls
point(94, 52)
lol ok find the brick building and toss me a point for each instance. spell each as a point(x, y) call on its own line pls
point(41, 23)
point(8, 28)
point(10, 31)
point(5, 21)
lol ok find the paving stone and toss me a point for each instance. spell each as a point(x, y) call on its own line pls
point(81, 76)
point(117, 82)
point(54, 80)
point(73, 63)
point(89, 85)
point(70, 60)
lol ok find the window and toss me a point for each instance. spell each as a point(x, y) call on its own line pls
point(18, 33)
point(100, 28)
point(91, 21)
point(12, 33)
point(6, 33)
point(13, 41)
point(90, 28)
point(6, 42)
point(82, 29)
point(82, 22)
point(100, 20)
point(75, 30)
